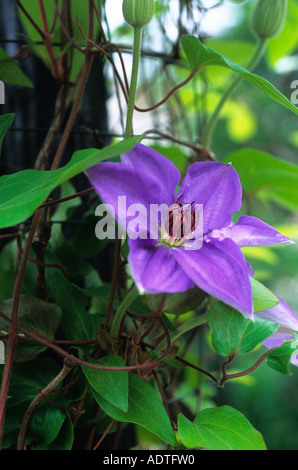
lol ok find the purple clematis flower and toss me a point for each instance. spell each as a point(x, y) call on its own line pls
point(162, 261)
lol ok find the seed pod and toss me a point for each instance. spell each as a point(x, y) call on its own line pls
point(269, 17)
point(138, 13)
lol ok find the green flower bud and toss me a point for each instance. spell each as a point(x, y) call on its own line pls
point(269, 17)
point(138, 13)
point(238, 2)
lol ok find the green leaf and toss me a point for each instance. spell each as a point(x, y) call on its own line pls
point(144, 408)
point(46, 424)
point(266, 176)
point(177, 303)
point(77, 323)
point(262, 297)
point(238, 50)
point(64, 439)
point(7, 264)
point(222, 428)
point(199, 56)
point(44, 317)
point(22, 192)
point(111, 385)
point(84, 240)
point(279, 359)
point(173, 153)
point(11, 73)
point(7, 259)
point(5, 123)
point(233, 332)
point(102, 294)
point(25, 384)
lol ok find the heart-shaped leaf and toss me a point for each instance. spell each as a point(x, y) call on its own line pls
point(222, 428)
point(200, 56)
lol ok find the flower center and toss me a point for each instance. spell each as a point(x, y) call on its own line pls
point(179, 223)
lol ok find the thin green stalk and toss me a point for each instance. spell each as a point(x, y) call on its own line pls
point(128, 133)
point(131, 296)
point(134, 80)
point(184, 328)
point(256, 57)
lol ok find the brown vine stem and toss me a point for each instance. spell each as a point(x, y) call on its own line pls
point(50, 265)
point(224, 367)
point(8, 235)
point(193, 147)
point(92, 432)
point(41, 33)
point(199, 369)
point(61, 69)
point(102, 50)
point(155, 321)
point(62, 353)
point(12, 335)
point(83, 82)
point(68, 36)
point(164, 400)
point(117, 436)
point(115, 271)
point(171, 92)
point(251, 369)
point(104, 435)
point(19, 55)
point(68, 198)
point(67, 367)
point(47, 39)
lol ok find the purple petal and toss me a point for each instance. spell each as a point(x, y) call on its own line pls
point(219, 268)
point(157, 166)
point(217, 187)
point(277, 339)
point(281, 314)
point(250, 231)
point(155, 269)
point(113, 180)
point(250, 269)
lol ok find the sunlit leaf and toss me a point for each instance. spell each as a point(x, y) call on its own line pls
point(263, 175)
point(232, 332)
point(262, 297)
point(200, 56)
point(22, 192)
point(279, 358)
point(222, 428)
